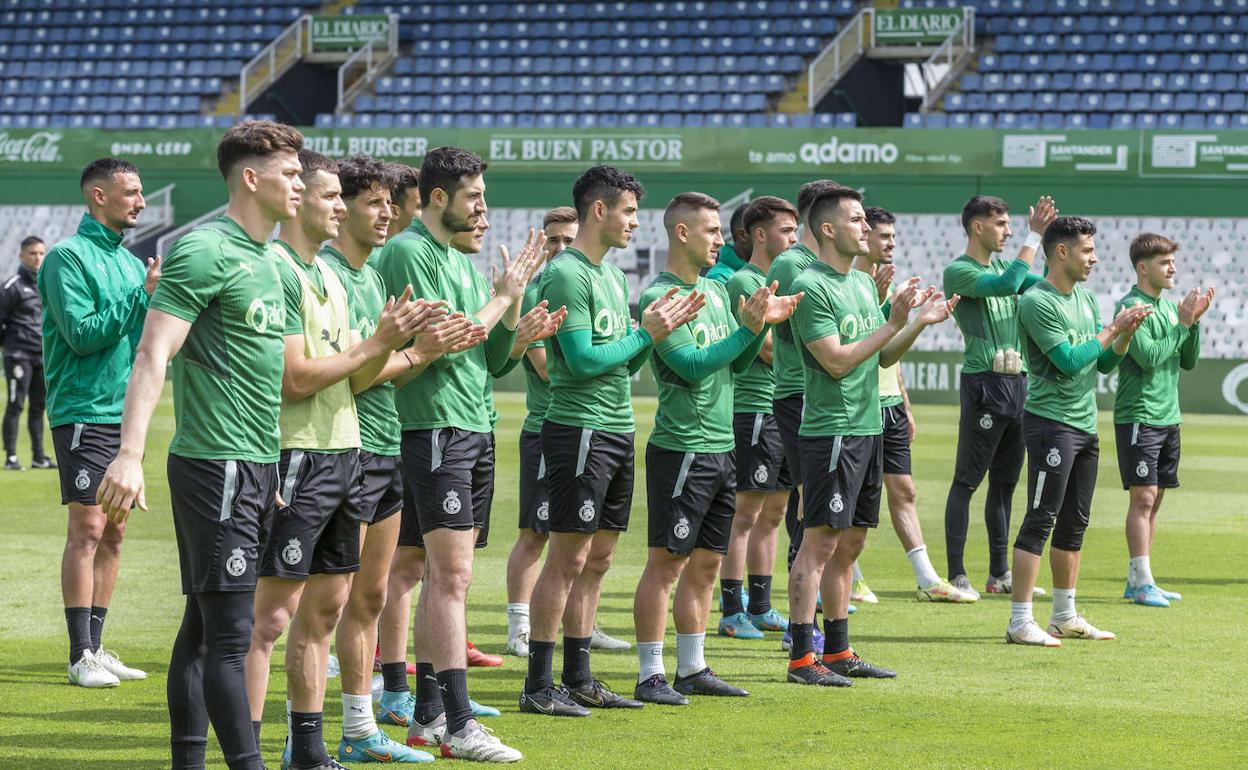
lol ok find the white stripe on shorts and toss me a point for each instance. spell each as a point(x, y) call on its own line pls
point(836, 453)
point(435, 452)
point(73, 445)
point(227, 489)
point(685, 462)
point(292, 475)
point(582, 455)
point(1035, 501)
point(758, 429)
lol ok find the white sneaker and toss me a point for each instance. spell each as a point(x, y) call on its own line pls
point(600, 641)
point(89, 672)
point(961, 583)
point(113, 665)
point(478, 744)
point(518, 645)
point(944, 591)
point(1030, 633)
point(432, 734)
point(1078, 627)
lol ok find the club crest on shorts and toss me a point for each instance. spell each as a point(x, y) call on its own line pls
point(236, 565)
point(837, 504)
point(451, 503)
point(681, 528)
point(543, 511)
point(292, 554)
point(1141, 470)
point(985, 422)
point(83, 479)
point(760, 474)
point(587, 511)
point(1053, 458)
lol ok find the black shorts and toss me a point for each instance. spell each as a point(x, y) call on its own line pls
point(219, 511)
point(760, 454)
point(1061, 477)
point(896, 439)
point(845, 475)
point(1148, 455)
point(83, 452)
point(691, 497)
point(788, 413)
point(448, 483)
point(534, 502)
point(589, 474)
point(381, 488)
point(990, 428)
point(318, 532)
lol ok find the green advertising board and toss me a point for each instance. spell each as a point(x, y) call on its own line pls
point(862, 151)
point(344, 33)
point(914, 26)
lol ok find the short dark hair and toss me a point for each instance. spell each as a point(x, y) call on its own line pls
point(880, 216)
point(255, 139)
point(807, 193)
point(823, 204)
point(104, 169)
point(686, 203)
point(765, 208)
point(312, 162)
point(737, 220)
point(361, 173)
point(29, 241)
point(1148, 245)
point(402, 179)
point(982, 206)
point(603, 183)
point(564, 215)
point(1064, 230)
point(446, 168)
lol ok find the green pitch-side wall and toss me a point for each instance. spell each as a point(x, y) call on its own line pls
point(1114, 173)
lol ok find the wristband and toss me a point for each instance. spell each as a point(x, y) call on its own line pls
point(1033, 241)
point(410, 363)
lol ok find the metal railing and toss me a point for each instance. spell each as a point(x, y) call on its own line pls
point(833, 61)
point(363, 65)
point(273, 60)
point(157, 216)
point(166, 241)
point(953, 54)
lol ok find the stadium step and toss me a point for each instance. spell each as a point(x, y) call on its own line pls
point(794, 100)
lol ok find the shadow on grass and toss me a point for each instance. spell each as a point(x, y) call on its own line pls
point(39, 740)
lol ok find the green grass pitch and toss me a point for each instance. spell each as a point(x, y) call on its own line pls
point(1168, 693)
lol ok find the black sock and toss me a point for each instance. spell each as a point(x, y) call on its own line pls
point(255, 727)
point(78, 620)
point(307, 740)
point(428, 695)
point(97, 626)
point(576, 661)
point(395, 676)
point(760, 594)
point(803, 640)
point(957, 519)
point(454, 685)
point(835, 636)
point(730, 590)
point(997, 522)
point(541, 666)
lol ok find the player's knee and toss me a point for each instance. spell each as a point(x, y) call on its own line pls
point(744, 520)
point(903, 494)
point(85, 535)
point(1069, 532)
point(1034, 532)
point(450, 580)
point(1143, 499)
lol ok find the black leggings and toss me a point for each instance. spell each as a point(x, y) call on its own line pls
point(207, 683)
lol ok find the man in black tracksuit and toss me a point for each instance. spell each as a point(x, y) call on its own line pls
point(21, 314)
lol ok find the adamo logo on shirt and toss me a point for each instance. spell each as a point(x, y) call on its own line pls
point(853, 326)
point(259, 316)
point(706, 334)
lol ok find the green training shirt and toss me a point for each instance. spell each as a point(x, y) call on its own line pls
point(693, 416)
point(451, 392)
point(596, 297)
point(1148, 378)
point(753, 389)
point(227, 378)
point(536, 390)
point(366, 297)
point(93, 309)
point(1047, 318)
point(988, 320)
point(786, 360)
point(845, 305)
